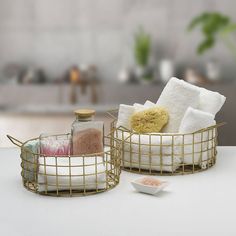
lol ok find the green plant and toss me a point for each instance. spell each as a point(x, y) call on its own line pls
point(142, 47)
point(214, 26)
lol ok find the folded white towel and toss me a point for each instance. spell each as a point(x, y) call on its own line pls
point(197, 146)
point(149, 104)
point(145, 151)
point(152, 162)
point(195, 120)
point(95, 178)
point(210, 101)
point(176, 98)
point(125, 112)
point(139, 107)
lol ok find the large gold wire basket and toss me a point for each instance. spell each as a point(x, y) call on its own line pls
point(166, 153)
point(69, 175)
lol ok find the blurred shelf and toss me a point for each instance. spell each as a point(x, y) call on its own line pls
point(56, 109)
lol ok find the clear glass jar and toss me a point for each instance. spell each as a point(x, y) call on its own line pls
point(87, 134)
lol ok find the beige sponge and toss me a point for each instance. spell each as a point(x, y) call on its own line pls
point(151, 120)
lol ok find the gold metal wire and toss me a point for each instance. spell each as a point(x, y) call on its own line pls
point(78, 176)
point(165, 153)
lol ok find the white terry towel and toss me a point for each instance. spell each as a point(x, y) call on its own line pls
point(149, 104)
point(139, 107)
point(176, 97)
point(195, 120)
point(148, 154)
point(90, 182)
point(125, 112)
point(210, 101)
point(30, 159)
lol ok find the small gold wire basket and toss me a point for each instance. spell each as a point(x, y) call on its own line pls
point(69, 175)
point(166, 153)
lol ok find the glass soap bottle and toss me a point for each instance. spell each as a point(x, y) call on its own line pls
point(87, 134)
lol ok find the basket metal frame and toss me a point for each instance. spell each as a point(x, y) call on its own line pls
point(202, 143)
point(30, 165)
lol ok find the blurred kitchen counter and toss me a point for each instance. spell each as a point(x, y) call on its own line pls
point(107, 93)
point(28, 110)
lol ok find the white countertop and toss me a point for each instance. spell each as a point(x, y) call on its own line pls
point(197, 204)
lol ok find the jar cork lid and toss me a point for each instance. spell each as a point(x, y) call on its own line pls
point(84, 113)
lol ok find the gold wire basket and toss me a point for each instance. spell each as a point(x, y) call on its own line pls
point(166, 153)
point(69, 175)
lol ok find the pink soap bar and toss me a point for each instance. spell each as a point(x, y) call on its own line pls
point(150, 181)
point(87, 141)
point(54, 147)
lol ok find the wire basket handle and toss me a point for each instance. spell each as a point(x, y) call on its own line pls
point(111, 114)
point(15, 141)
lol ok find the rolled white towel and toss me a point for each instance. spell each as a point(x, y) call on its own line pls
point(176, 98)
point(197, 146)
point(95, 178)
point(124, 114)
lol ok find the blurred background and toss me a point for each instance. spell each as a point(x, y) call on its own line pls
point(60, 55)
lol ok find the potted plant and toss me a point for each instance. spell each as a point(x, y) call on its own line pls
point(142, 47)
point(214, 26)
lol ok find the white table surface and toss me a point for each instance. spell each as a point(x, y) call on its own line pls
point(198, 204)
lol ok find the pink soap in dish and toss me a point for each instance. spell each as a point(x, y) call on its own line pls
point(149, 185)
point(150, 181)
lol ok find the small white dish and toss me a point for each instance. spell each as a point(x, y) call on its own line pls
point(149, 189)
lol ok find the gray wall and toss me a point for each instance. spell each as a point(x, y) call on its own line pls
point(54, 34)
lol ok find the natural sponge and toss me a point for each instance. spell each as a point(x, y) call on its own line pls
point(151, 120)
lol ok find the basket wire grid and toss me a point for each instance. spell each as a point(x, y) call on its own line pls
point(166, 153)
point(69, 175)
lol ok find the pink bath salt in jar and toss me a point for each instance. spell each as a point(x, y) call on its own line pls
point(87, 134)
